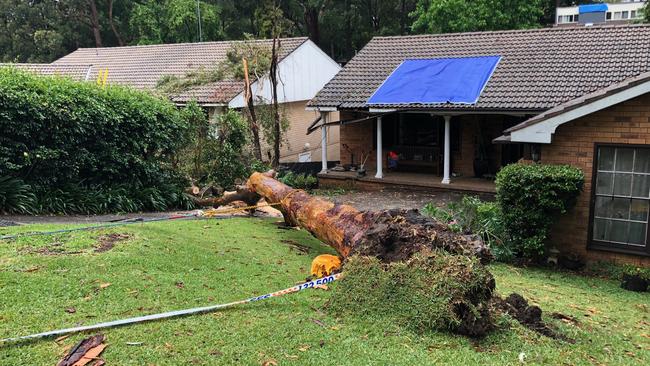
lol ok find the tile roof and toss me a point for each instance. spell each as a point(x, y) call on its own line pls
point(143, 66)
point(74, 71)
point(539, 69)
point(583, 100)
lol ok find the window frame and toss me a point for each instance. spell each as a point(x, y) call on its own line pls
point(609, 246)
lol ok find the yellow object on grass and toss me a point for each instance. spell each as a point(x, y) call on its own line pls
point(324, 265)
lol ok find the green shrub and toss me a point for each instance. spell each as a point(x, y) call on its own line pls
point(217, 151)
point(16, 196)
point(631, 270)
point(422, 294)
point(66, 139)
point(531, 197)
point(298, 181)
point(473, 216)
point(92, 200)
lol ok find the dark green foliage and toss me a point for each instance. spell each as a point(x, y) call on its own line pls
point(75, 199)
point(16, 196)
point(298, 181)
point(217, 151)
point(631, 270)
point(473, 216)
point(65, 137)
point(479, 15)
point(233, 163)
point(422, 294)
point(531, 198)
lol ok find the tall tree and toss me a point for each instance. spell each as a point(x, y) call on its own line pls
point(274, 23)
point(174, 21)
point(443, 16)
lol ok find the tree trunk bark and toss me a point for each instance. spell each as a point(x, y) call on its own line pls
point(110, 20)
point(94, 21)
point(273, 72)
point(253, 125)
point(390, 235)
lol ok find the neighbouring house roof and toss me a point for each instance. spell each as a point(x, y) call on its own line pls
point(77, 72)
point(541, 127)
point(539, 68)
point(143, 66)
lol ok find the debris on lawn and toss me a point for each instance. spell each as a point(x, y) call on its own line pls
point(52, 249)
point(85, 352)
point(294, 245)
point(565, 318)
point(107, 242)
point(530, 316)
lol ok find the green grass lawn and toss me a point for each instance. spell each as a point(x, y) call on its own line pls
point(183, 264)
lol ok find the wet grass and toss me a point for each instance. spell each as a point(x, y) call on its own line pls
point(177, 265)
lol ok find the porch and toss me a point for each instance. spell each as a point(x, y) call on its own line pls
point(349, 179)
point(424, 149)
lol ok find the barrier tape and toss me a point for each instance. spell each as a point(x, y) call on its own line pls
point(177, 313)
point(207, 214)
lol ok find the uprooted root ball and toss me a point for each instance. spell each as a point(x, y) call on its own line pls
point(430, 291)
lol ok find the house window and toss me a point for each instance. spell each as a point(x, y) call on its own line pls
point(617, 15)
point(609, 15)
point(625, 15)
point(621, 198)
point(561, 19)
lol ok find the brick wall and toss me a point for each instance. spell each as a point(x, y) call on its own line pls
point(573, 143)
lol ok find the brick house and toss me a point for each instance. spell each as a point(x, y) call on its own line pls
point(303, 70)
point(578, 96)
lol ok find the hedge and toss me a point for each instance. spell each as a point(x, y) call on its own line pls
point(58, 133)
point(531, 198)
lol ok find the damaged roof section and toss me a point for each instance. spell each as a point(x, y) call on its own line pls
point(142, 67)
point(539, 69)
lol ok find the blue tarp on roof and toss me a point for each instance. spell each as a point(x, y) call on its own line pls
point(592, 8)
point(434, 81)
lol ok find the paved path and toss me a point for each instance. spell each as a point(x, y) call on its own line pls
point(390, 198)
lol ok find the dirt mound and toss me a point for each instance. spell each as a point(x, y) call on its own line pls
point(529, 316)
point(107, 242)
point(396, 235)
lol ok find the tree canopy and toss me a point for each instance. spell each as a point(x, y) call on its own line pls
point(43, 30)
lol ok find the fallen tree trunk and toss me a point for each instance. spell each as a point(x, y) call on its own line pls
point(242, 193)
point(389, 235)
point(424, 288)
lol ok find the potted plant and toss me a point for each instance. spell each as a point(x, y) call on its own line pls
point(635, 278)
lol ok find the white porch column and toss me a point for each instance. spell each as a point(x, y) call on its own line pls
point(323, 141)
point(447, 153)
point(380, 151)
